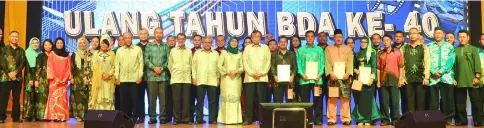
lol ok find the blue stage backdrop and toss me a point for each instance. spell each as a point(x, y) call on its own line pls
point(70, 19)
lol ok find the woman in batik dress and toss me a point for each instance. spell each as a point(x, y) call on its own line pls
point(81, 70)
point(42, 88)
point(30, 81)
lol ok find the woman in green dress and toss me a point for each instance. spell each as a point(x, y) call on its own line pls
point(42, 86)
point(81, 70)
point(366, 110)
point(30, 81)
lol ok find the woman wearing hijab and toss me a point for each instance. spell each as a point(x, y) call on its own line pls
point(58, 75)
point(30, 81)
point(102, 91)
point(81, 71)
point(366, 110)
point(42, 86)
point(230, 68)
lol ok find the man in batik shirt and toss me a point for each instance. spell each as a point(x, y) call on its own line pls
point(416, 73)
point(442, 58)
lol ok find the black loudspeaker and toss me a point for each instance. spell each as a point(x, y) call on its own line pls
point(285, 115)
point(107, 119)
point(421, 119)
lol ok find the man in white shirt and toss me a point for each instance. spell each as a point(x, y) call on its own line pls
point(206, 78)
point(129, 73)
point(179, 65)
point(257, 59)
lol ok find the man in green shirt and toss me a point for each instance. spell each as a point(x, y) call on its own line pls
point(282, 57)
point(442, 59)
point(376, 41)
point(206, 77)
point(156, 68)
point(129, 73)
point(311, 54)
point(415, 74)
point(399, 40)
point(14, 63)
point(467, 74)
point(256, 65)
point(180, 65)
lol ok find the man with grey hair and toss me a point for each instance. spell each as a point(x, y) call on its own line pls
point(180, 65)
point(129, 72)
point(206, 77)
point(142, 88)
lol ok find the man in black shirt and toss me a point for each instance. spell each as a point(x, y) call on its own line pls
point(14, 63)
point(142, 88)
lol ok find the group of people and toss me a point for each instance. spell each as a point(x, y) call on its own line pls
point(99, 76)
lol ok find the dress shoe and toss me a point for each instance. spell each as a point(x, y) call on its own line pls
point(477, 124)
point(152, 122)
point(384, 123)
point(201, 122)
point(346, 123)
point(18, 121)
point(247, 123)
point(139, 121)
point(331, 123)
point(318, 123)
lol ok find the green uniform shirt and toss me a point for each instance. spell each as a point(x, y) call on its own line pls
point(467, 65)
point(307, 54)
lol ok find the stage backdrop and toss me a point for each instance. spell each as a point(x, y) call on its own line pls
point(70, 19)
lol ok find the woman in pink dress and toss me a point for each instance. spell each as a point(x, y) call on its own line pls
point(58, 75)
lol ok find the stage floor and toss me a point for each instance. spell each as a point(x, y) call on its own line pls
point(74, 124)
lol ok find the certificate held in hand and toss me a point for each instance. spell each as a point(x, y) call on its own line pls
point(283, 73)
point(364, 76)
point(339, 69)
point(312, 70)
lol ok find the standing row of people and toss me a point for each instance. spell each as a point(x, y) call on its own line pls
point(178, 77)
